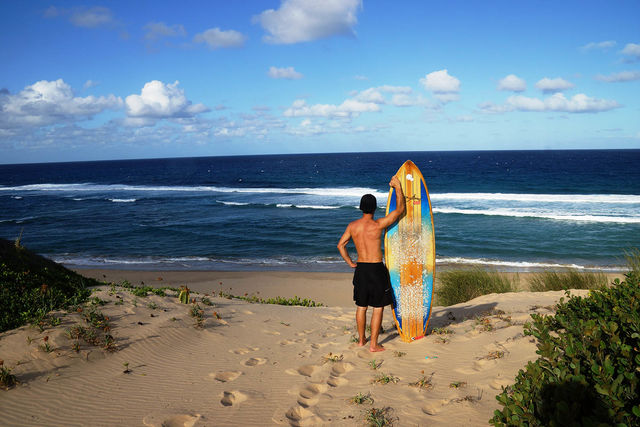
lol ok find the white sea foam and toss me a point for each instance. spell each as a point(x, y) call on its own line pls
point(336, 192)
point(232, 203)
point(89, 187)
point(540, 198)
point(122, 200)
point(546, 215)
point(521, 265)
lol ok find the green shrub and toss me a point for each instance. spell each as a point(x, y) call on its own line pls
point(458, 286)
point(572, 279)
point(588, 372)
point(31, 286)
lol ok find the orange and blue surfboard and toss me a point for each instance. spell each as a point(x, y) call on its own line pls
point(410, 255)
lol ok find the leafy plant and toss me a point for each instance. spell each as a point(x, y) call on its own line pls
point(333, 357)
point(424, 383)
point(397, 353)
point(183, 296)
point(374, 364)
point(572, 279)
point(379, 417)
point(206, 301)
point(198, 314)
point(362, 398)
point(458, 384)
point(588, 372)
point(458, 286)
point(7, 379)
point(385, 379)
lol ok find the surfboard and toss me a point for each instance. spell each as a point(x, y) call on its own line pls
point(410, 255)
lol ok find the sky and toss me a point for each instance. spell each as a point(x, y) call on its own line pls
point(149, 79)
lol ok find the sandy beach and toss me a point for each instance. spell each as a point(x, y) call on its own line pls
point(261, 364)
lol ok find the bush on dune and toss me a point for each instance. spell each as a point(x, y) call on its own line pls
point(458, 286)
point(588, 372)
point(31, 286)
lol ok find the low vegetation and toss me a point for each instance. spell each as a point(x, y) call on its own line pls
point(571, 279)
point(458, 286)
point(379, 417)
point(277, 300)
point(31, 286)
point(588, 372)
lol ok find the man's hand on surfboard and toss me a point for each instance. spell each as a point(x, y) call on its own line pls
point(395, 182)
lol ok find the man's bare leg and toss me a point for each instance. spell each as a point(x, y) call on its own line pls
point(376, 321)
point(361, 321)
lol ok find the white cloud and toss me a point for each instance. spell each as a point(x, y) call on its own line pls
point(51, 102)
point(598, 45)
point(89, 84)
point(160, 101)
point(284, 73)
point(558, 84)
point(349, 108)
point(216, 38)
point(158, 30)
point(512, 83)
point(305, 20)
point(443, 86)
point(557, 102)
point(623, 76)
point(375, 95)
point(632, 51)
point(92, 17)
point(86, 17)
point(360, 77)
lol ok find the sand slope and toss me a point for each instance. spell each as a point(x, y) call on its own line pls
point(266, 365)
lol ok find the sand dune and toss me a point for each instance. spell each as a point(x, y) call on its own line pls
point(264, 364)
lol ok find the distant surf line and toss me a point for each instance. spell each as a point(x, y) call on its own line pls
point(334, 192)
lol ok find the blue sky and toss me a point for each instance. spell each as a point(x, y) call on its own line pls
point(113, 80)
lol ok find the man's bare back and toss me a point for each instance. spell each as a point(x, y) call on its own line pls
point(366, 234)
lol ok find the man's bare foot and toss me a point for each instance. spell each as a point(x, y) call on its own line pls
point(376, 348)
point(363, 342)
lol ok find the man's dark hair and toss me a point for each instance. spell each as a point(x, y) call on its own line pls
point(368, 203)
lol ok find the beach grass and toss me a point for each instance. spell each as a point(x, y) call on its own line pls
point(632, 256)
point(571, 279)
point(31, 286)
point(458, 286)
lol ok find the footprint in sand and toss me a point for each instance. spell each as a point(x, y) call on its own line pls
point(309, 395)
point(248, 312)
point(254, 361)
point(432, 408)
point(305, 370)
point(339, 369)
point(286, 342)
point(225, 376)
point(318, 345)
point(232, 398)
point(243, 350)
point(299, 416)
point(173, 420)
point(271, 332)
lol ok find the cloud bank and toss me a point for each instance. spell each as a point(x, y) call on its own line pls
point(299, 21)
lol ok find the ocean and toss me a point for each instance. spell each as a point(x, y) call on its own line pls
point(510, 210)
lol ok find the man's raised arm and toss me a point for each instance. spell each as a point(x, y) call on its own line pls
point(400, 204)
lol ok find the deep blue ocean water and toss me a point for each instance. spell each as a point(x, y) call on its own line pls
point(515, 210)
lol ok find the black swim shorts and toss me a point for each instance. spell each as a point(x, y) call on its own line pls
point(371, 285)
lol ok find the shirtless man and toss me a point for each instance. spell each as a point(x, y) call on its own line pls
point(371, 284)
